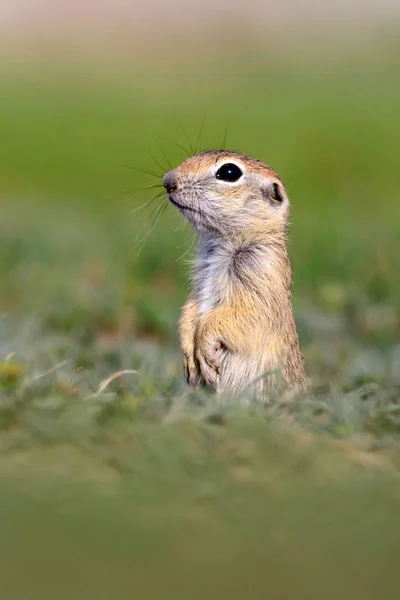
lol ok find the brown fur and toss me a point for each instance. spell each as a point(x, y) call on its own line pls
point(237, 326)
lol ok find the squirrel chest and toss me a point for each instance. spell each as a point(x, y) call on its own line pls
point(223, 271)
point(212, 277)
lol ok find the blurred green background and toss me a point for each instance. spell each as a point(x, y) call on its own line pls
point(111, 487)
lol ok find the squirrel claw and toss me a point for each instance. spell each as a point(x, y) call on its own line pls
point(192, 374)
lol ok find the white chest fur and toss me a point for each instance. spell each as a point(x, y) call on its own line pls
point(211, 278)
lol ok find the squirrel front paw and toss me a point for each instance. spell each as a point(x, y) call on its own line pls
point(192, 372)
point(208, 356)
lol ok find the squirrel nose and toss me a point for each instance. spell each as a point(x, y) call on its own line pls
point(170, 182)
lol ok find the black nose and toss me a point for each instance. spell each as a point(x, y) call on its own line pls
point(170, 182)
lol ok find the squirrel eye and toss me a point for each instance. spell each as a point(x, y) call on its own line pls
point(229, 172)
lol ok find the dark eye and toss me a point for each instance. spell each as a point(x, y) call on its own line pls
point(229, 172)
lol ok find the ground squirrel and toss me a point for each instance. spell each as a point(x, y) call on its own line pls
point(237, 326)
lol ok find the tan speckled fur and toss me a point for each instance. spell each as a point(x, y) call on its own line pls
point(237, 327)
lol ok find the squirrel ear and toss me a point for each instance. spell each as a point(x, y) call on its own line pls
point(276, 193)
point(273, 193)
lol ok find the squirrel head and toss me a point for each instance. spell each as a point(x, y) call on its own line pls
point(228, 193)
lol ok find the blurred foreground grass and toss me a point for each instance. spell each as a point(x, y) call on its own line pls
point(136, 484)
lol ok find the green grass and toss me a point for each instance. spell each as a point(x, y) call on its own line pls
point(137, 485)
